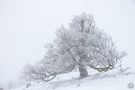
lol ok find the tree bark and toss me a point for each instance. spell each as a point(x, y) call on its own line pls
point(83, 71)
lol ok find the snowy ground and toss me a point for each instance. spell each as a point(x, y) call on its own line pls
point(100, 81)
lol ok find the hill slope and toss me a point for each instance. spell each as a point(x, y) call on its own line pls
point(100, 81)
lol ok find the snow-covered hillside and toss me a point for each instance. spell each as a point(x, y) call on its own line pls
point(100, 81)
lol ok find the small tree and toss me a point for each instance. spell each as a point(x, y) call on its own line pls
point(80, 46)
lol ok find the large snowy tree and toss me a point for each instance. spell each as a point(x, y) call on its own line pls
point(80, 46)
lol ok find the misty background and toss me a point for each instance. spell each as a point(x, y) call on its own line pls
point(27, 25)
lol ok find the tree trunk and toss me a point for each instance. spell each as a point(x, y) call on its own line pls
point(83, 71)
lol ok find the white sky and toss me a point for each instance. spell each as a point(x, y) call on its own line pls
point(27, 25)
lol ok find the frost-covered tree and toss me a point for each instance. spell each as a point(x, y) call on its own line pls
point(80, 46)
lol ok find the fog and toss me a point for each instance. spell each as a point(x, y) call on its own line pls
point(27, 25)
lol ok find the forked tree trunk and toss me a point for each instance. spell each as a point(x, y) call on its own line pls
point(83, 71)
